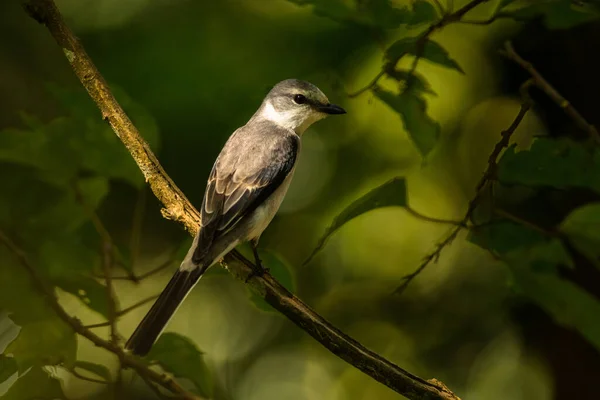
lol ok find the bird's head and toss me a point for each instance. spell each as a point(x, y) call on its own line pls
point(296, 104)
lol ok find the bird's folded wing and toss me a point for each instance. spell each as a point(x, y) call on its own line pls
point(245, 174)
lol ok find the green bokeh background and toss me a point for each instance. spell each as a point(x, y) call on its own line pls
point(200, 69)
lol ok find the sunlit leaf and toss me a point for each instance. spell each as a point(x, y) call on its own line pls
point(582, 227)
point(559, 163)
point(556, 14)
point(392, 193)
point(423, 130)
point(96, 369)
point(535, 277)
point(35, 384)
point(179, 356)
point(431, 51)
point(280, 270)
point(8, 367)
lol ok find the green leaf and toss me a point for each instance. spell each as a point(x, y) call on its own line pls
point(280, 270)
point(582, 227)
point(559, 163)
point(8, 367)
point(68, 263)
point(422, 12)
point(431, 51)
point(56, 346)
point(179, 356)
point(87, 290)
point(390, 194)
point(504, 236)
point(18, 297)
point(423, 130)
point(413, 81)
point(535, 276)
point(35, 384)
point(96, 369)
point(435, 53)
point(556, 14)
point(382, 14)
point(92, 141)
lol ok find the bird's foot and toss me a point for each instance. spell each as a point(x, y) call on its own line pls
point(257, 270)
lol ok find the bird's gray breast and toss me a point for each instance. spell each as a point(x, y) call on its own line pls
point(264, 214)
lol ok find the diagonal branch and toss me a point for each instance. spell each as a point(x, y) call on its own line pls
point(542, 84)
point(488, 175)
point(178, 208)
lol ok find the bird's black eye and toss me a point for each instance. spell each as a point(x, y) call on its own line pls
point(299, 99)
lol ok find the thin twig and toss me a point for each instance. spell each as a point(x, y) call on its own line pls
point(446, 19)
point(105, 236)
point(111, 297)
point(427, 218)
point(178, 207)
point(138, 278)
point(136, 227)
point(488, 175)
point(75, 324)
point(155, 388)
point(124, 311)
point(510, 53)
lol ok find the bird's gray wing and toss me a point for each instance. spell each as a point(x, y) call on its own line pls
point(248, 170)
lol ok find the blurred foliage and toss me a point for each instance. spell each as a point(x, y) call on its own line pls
point(179, 356)
point(66, 182)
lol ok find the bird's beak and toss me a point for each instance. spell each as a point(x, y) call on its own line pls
point(331, 109)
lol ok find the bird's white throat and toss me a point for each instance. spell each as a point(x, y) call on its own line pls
point(296, 120)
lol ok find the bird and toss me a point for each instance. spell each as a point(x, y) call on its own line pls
point(245, 188)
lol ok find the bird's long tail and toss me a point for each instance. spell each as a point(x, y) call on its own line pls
point(163, 309)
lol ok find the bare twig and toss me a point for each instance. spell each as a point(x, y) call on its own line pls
point(488, 175)
point(105, 236)
point(75, 324)
point(111, 297)
point(178, 208)
point(427, 218)
point(510, 53)
point(124, 311)
point(138, 278)
point(446, 19)
point(136, 226)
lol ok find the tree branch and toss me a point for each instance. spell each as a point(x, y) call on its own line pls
point(177, 207)
point(488, 175)
point(127, 360)
point(542, 84)
point(125, 311)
